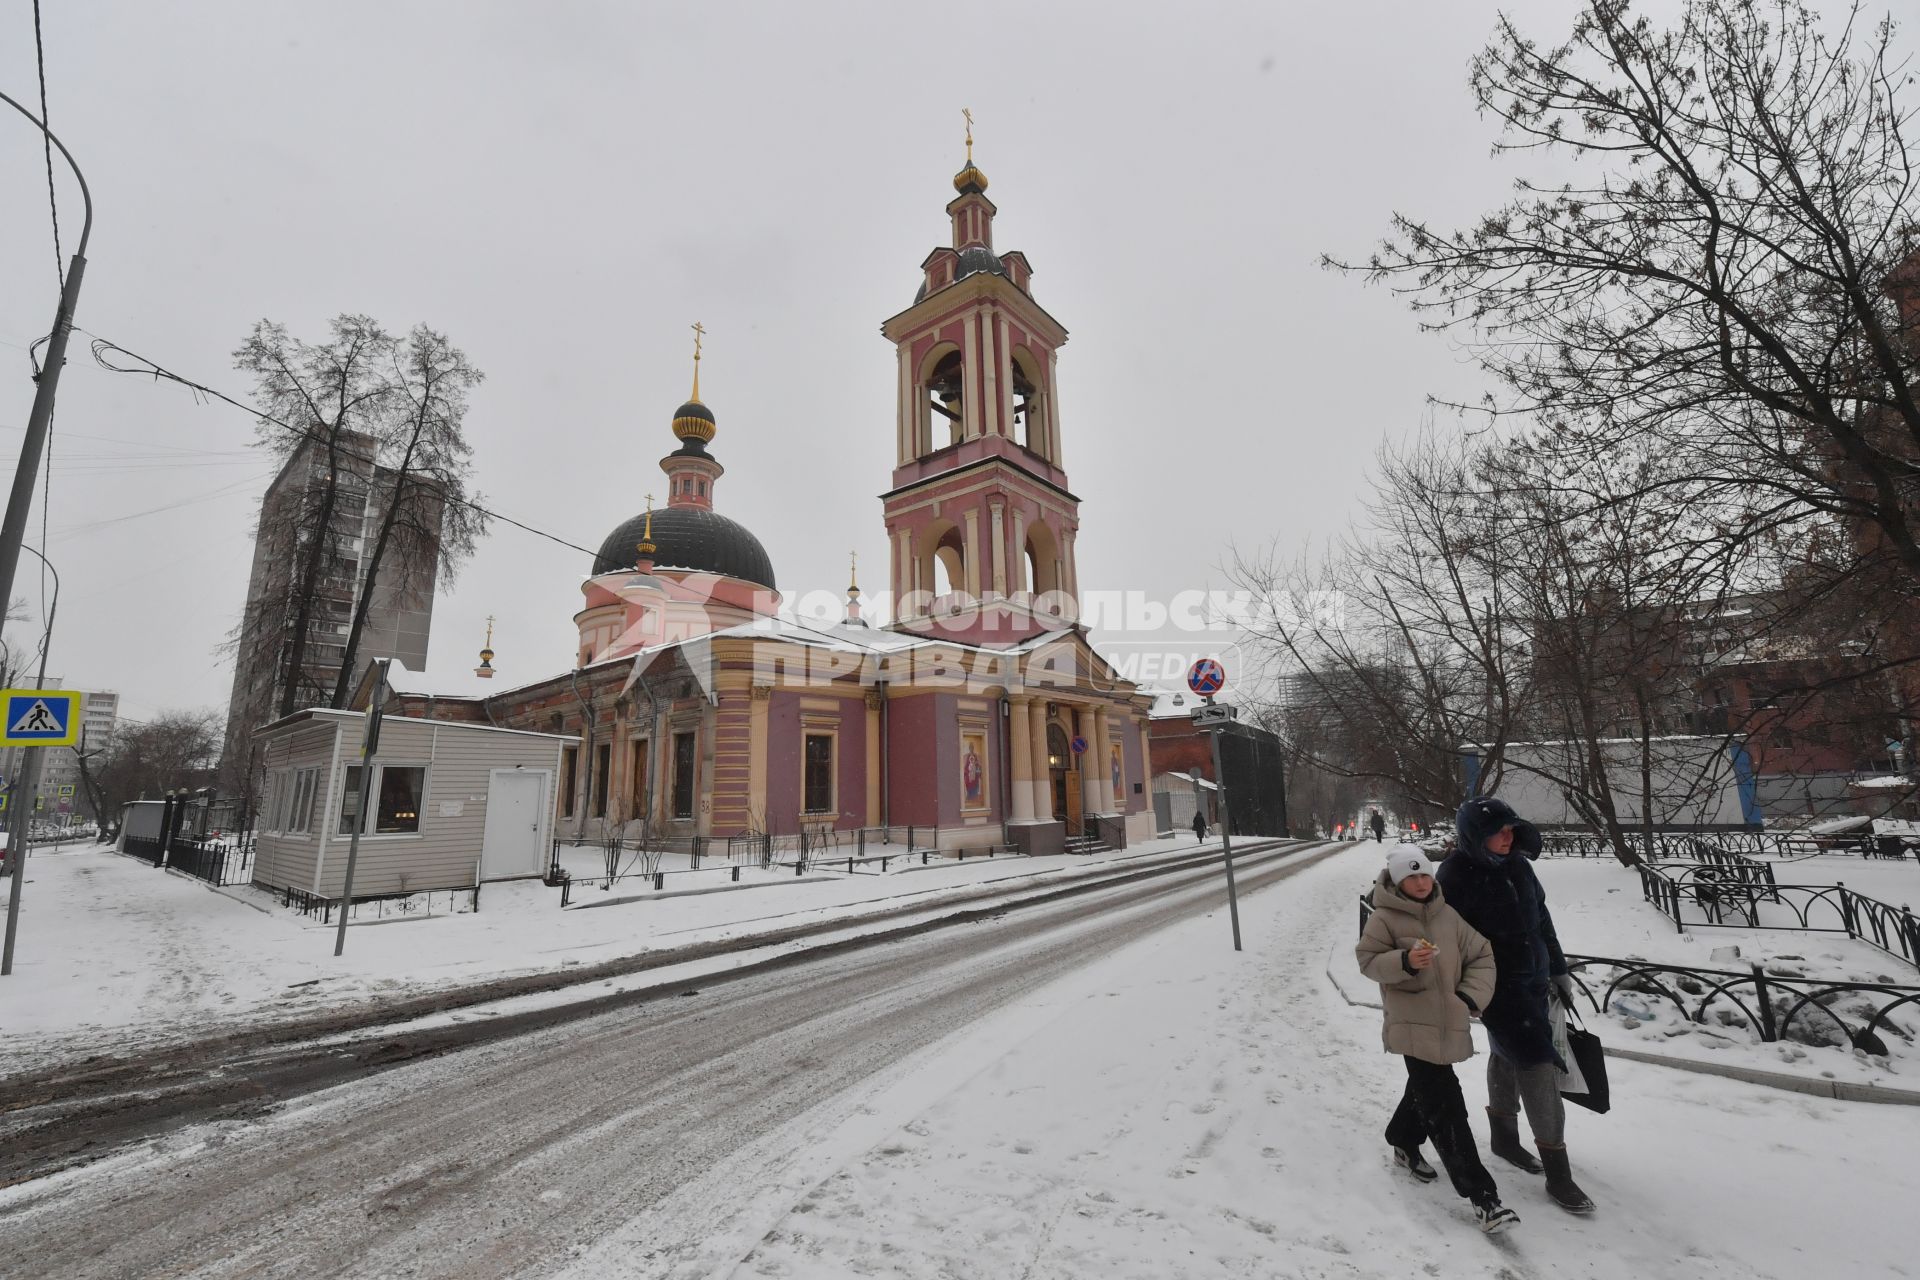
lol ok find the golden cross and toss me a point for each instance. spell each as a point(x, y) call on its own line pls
point(489, 631)
point(969, 115)
point(853, 570)
point(649, 502)
point(699, 332)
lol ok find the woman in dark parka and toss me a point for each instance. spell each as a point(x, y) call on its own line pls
point(1489, 880)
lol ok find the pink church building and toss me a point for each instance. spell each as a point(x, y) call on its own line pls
point(979, 716)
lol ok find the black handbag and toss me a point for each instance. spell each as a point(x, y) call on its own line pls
point(1591, 1061)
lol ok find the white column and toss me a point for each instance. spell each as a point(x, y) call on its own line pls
point(1103, 744)
point(904, 431)
point(991, 422)
point(1020, 736)
point(1054, 454)
point(1003, 348)
point(1019, 550)
point(970, 580)
point(1042, 775)
point(969, 381)
point(999, 534)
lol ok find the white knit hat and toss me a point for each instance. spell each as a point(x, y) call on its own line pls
point(1405, 860)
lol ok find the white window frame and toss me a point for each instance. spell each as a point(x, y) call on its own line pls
point(379, 772)
point(302, 791)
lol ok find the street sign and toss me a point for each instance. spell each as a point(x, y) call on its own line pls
point(1218, 713)
point(1207, 677)
point(41, 718)
point(65, 789)
point(1079, 746)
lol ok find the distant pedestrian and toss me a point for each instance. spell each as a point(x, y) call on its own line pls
point(1435, 973)
point(1497, 893)
point(1379, 825)
point(1199, 824)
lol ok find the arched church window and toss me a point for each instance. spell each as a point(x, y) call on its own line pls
point(1029, 404)
point(1058, 751)
point(946, 399)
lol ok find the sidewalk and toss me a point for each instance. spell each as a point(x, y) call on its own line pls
point(114, 955)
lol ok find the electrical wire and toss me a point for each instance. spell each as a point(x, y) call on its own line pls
point(46, 140)
point(104, 348)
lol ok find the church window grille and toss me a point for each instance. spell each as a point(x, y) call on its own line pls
point(683, 775)
point(819, 773)
point(602, 775)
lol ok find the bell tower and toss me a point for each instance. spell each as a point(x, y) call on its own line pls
point(980, 521)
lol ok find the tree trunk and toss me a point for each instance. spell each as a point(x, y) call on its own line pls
point(305, 589)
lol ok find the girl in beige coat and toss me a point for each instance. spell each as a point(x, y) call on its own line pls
point(1435, 974)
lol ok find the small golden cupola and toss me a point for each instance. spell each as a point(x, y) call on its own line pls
point(691, 470)
point(970, 181)
point(485, 669)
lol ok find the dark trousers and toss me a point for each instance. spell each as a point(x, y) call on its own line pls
point(1432, 1107)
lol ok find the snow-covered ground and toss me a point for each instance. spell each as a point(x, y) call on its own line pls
point(113, 953)
point(1180, 1110)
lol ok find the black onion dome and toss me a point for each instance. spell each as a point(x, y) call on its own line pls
point(693, 409)
point(689, 538)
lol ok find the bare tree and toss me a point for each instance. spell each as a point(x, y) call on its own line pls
point(175, 749)
point(327, 394)
point(1710, 255)
point(427, 520)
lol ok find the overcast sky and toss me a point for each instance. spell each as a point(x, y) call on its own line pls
point(564, 188)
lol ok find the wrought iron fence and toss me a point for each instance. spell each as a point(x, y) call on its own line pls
point(418, 903)
point(1778, 1004)
point(149, 849)
point(1773, 1005)
point(1732, 905)
point(214, 861)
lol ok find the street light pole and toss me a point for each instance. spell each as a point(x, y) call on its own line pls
point(13, 529)
point(26, 789)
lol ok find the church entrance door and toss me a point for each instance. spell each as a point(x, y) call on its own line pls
point(1067, 796)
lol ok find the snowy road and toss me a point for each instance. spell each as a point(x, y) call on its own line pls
point(672, 1133)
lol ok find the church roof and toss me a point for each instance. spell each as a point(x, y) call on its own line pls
point(690, 538)
point(972, 261)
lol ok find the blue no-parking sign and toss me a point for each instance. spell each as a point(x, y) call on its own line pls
point(1207, 677)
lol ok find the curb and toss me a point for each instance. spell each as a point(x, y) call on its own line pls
point(1840, 1090)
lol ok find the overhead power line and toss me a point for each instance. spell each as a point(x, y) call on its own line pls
point(104, 350)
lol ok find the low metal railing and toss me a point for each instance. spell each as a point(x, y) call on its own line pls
point(1778, 1004)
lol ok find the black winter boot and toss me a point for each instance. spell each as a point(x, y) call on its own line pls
point(1504, 1141)
point(1560, 1184)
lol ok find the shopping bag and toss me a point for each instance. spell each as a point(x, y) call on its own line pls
point(1590, 1061)
point(1571, 1081)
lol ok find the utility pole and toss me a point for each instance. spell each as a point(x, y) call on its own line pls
point(369, 744)
point(20, 502)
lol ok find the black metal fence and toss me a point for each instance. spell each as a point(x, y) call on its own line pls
point(1812, 908)
point(419, 904)
point(151, 850)
point(1780, 845)
point(214, 861)
point(1776, 1006)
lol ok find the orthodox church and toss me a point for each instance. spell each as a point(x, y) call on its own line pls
point(979, 715)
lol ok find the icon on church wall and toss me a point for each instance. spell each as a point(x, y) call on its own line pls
point(973, 769)
point(1119, 772)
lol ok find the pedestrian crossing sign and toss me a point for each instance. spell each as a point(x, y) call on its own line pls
point(41, 718)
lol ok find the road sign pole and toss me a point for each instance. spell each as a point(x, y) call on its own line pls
point(1226, 834)
point(22, 806)
point(369, 745)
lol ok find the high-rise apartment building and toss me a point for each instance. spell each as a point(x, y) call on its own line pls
point(398, 617)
